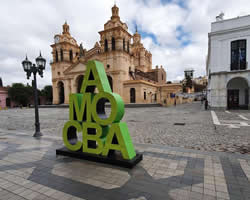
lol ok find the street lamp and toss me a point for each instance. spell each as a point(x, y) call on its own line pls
point(30, 68)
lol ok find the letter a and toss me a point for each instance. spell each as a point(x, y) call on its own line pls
point(95, 76)
point(120, 130)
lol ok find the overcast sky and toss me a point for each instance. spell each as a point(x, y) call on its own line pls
point(175, 31)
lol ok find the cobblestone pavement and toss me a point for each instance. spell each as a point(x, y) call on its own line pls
point(30, 170)
point(235, 124)
point(187, 125)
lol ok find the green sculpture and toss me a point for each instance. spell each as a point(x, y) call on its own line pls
point(101, 135)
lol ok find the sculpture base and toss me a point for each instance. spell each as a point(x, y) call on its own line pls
point(114, 159)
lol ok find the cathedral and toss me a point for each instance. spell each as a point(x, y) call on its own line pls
point(127, 63)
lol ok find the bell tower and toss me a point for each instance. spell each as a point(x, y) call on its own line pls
point(66, 28)
point(115, 43)
point(65, 52)
point(65, 48)
point(115, 13)
point(136, 37)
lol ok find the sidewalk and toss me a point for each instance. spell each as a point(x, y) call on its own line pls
point(29, 169)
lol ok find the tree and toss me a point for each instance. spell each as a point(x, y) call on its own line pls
point(189, 82)
point(184, 89)
point(20, 93)
point(199, 87)
point(47, 93)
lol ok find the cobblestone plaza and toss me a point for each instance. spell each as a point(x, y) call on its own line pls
point(182, 148)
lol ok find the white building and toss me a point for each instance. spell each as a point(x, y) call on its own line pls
point(227, 63)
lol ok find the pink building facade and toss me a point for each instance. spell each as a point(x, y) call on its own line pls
point(3, 97)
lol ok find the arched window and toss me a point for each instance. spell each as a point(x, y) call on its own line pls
point(110, 82)
point(56, 56)
point(113, 43)
point(128, 46)
point(61, 55)
point(60, 87)
point(79, 83)
point(124, 45)
point(70, 55)
point(106, 45)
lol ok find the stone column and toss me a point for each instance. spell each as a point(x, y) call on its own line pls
point(109, 44)
point(55, 93)
point(73, 87)
point(67, 91)
point(119, 44)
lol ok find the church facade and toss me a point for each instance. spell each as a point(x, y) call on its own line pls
point(126, 61)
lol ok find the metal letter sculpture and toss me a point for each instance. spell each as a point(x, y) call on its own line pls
point(104, 138)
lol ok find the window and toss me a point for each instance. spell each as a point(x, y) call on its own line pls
point(162, 76)
point(108, 66)
point(113, 43)
point(145, 96)
point(106, 45)
point(124, 45)
point(70, 55)
point(128, 46)
point(238, 55)
point(61, 55)
point(56, 56)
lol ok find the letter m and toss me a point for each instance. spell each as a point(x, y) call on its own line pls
point(79, 107)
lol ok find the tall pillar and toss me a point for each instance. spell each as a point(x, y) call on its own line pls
point(67, 91)
point(119, 44)
point(73, 87)
point(55, 94)
point(110, 44)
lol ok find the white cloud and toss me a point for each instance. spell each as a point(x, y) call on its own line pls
point(29, 26)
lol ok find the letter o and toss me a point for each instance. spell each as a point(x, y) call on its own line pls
point(117, 108)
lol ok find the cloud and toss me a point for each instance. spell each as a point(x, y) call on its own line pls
point(180, 28)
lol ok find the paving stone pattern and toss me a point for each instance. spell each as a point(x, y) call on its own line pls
point(30, 170)
point(158, 125)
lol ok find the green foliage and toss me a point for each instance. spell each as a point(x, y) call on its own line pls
point(47, 93)
point(199, 87)
point(184, 89)
point(20, 93)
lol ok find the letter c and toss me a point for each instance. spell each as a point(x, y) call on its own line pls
point(78, 127)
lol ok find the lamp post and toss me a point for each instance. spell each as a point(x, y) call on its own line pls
point(30, 68)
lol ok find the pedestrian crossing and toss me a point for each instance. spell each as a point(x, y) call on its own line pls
point(237, 121)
